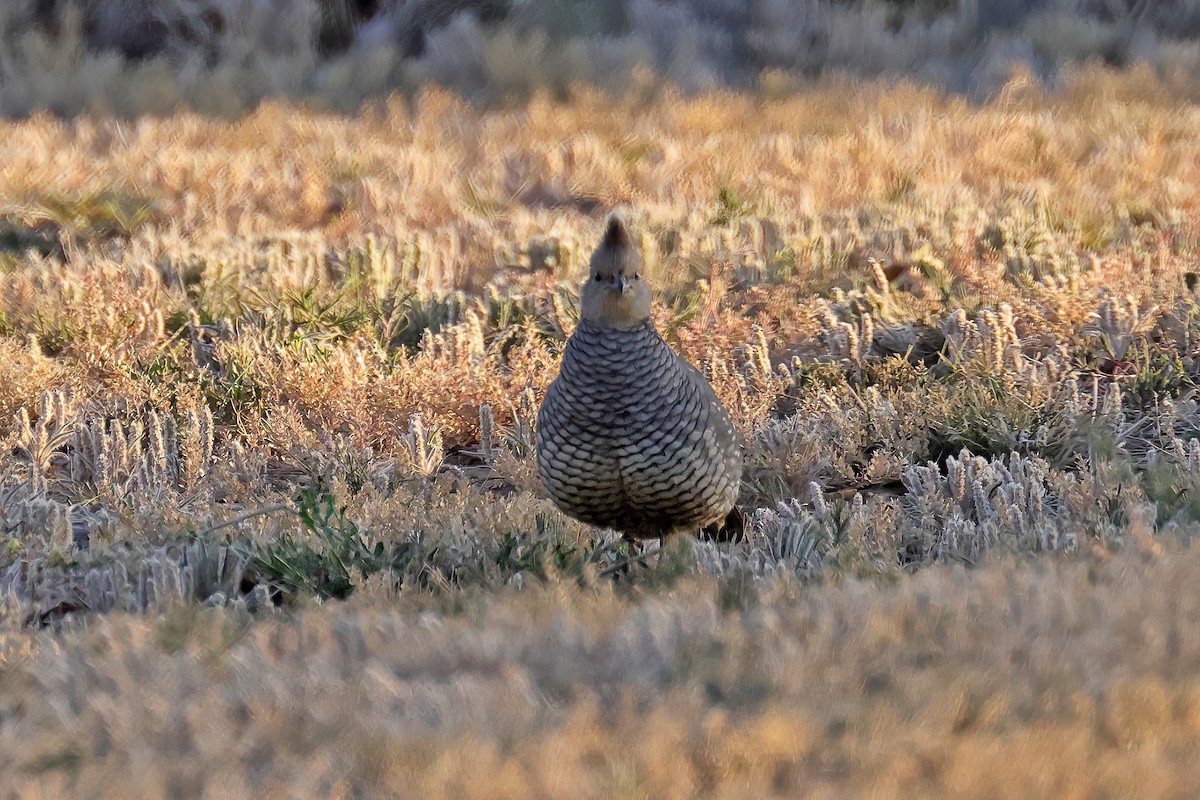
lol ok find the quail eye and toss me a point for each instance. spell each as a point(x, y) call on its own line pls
point(597, 278)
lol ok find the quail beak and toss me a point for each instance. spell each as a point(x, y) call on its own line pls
point(620, 284)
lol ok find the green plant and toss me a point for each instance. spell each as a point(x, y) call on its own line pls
point(730, 206)
point(324, 558)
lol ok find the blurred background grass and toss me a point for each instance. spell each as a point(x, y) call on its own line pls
point(130, 57)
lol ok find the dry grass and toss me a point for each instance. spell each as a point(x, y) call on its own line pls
point(1065, 679)
point(249, 367)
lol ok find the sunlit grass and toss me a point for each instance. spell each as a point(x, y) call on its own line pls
point(267, 492)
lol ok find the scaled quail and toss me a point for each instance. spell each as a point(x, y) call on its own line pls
point(630, 436)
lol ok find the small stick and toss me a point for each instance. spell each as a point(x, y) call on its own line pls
point(625, 562)
point(248, 515)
